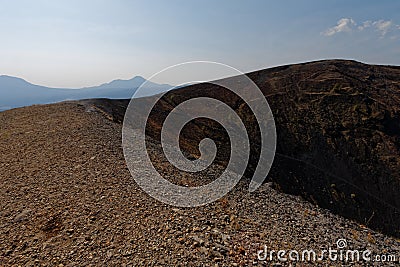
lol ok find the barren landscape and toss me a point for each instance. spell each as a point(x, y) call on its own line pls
point(68, 199)
point(69, 207)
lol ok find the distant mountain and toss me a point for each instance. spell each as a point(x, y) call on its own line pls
point(122, 89)
point(16, 92)
point(120, 84)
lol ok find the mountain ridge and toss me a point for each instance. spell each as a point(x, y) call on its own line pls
point(69, 198)
point(338, 128)
point(338, 124)
point(17, 92)
point(26, 82)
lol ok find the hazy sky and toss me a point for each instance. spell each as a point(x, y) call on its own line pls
point(81, 43)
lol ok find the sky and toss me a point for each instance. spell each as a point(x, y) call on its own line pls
point(85, 43)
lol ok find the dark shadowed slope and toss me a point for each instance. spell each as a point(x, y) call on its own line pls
point(338, 126)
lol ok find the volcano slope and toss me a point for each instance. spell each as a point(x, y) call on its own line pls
point(338, 127)
point(67, 198)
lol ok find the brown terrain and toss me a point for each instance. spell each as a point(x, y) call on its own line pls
point(338, 127)
point(68, 199)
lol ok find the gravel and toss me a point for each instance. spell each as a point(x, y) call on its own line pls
point(68, 199)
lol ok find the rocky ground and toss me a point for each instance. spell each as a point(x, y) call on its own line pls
point(338, 134)
point(68, 199)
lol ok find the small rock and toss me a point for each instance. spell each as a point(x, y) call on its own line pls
point(70, 231)
point(222, 248)
point(22, 216)
point(198, 240)
point(203, 250)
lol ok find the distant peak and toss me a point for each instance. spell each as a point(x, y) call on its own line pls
point(8, 80)
point(138, 78)
point(7, 77)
